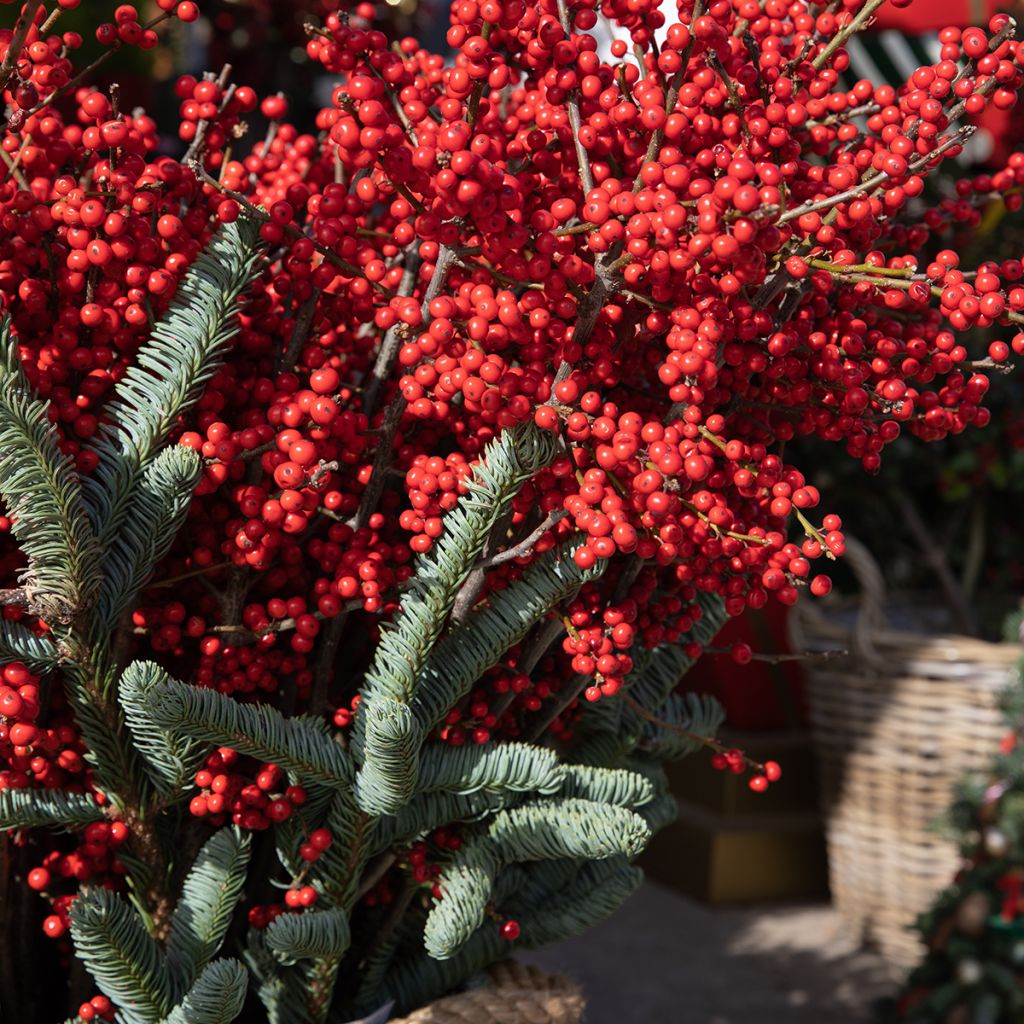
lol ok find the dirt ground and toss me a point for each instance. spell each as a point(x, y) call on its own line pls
point(665, 959)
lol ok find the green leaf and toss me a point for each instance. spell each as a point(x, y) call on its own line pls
point(300, 745)
point(46, 808)
point(311, 935)
point(160, 503)
point(20, 644)
point(217, 997)
point(171, 759)
point(208, 899)
point(171, 370)
point(122, 957)
point(43, 496)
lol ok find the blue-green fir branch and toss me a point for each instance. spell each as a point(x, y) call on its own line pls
point(160, 504)
point(209, 896)
point(392, 737)
point(549, 830)
point(551, 901)
point(338, 870)
point(301, 745)
point(281, 990)
point(617, 786)
point(309, 935)
point(466, 887)
point(598, 891)
point(491, 767)
point(293, 832)
point(688, 719)
point(122, 957)
point(18, 643)
point(653, 682)
point(462, 657)
point(43, 497)
point(170, 758)
point(185, 349)
point(46, 808)
point(217, 997)
point(429, 811)
point(508, 461)
point(100, 718)
point(569, 827)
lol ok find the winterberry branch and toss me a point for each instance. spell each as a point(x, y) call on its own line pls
point(198, 145)
point(261, 215)
point(856, 24)
point(22, 27)
point(709, 742)
point(573, 110)
point(781, 659)
point(86, 73)
point(526, 545)
point(671, 94)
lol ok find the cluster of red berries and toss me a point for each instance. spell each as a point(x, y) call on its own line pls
point(33, 754)
point(227, 794)
point(735, 761)
point(97, 1008)
point(677, 263)
point(599, 649)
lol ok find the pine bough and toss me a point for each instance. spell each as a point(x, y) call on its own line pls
point(551, 837)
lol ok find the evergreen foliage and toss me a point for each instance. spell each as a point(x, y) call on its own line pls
point(20, 644)
point(43, 497)
point(25, 808)
point(184, 350)
point(209, 895)
point(548, 830)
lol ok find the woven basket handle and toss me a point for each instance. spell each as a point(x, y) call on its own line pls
point(870, 614)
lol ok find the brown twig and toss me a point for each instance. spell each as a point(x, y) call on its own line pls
point(198, 143)
point(963, 618)
point(393, 337)
point(526, 545)
point(709, 742)
point(21, 31)
point(300, 332)
point(778, 659)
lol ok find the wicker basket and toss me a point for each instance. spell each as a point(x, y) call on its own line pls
point(897, 724)
point(516, 994)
